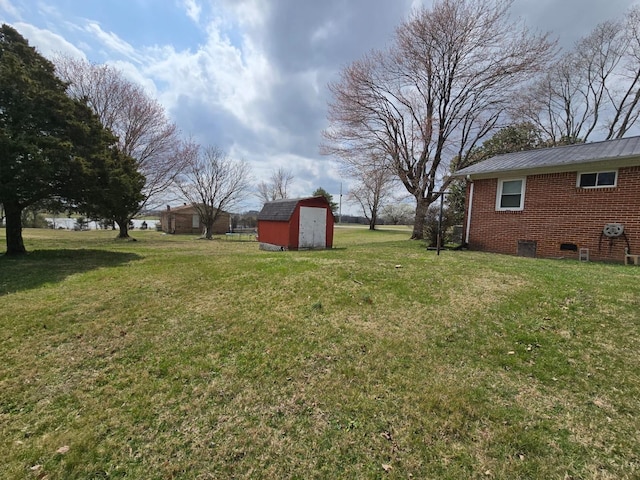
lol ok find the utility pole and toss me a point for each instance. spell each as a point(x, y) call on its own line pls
point(439, 240)
point(340, 208)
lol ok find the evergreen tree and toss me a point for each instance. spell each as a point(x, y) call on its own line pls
point(51, 146)
point(322, 192)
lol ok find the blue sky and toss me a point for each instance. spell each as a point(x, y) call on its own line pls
point(250, 76)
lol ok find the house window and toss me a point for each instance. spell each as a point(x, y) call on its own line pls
point(510, 194)
point(597, 179)
point(195, 221)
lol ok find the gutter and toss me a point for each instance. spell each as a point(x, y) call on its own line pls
point(468, 226)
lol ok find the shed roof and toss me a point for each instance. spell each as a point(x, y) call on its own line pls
point(281, 210)
point(278, 210)
point(565, 156)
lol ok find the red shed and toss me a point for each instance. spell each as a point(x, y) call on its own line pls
point(296, 224)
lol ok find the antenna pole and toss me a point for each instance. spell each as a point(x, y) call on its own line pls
point(340, 210)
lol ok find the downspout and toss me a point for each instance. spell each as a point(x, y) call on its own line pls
point(468, 226)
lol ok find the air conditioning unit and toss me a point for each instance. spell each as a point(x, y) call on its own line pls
point(613, 230)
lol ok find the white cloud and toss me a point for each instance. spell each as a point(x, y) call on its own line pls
point(49, 11)
point(8, 7)
point(218, 73)
point(112, 42)
point(249, 13)
point(193, 10)
point(133, 73)
point(49, 44)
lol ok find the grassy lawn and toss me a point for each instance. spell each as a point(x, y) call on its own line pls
point(173, 357)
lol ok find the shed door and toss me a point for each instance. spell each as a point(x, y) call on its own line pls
point(313, 228)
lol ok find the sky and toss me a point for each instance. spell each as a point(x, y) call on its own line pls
point(251, 76)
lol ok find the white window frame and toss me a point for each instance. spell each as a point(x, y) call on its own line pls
point(615, 179)
point(523, 188)
point(195, 221)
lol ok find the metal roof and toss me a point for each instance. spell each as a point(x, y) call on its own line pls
point(569, 156)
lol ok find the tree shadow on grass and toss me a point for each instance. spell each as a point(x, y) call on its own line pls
point(51, 266)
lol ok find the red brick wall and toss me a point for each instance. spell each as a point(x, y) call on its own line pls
point(556, 212)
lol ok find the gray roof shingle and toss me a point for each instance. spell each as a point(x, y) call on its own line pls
point(570, 155)
point(278, 210)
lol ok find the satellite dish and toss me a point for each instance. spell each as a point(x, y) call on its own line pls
point(613, 230)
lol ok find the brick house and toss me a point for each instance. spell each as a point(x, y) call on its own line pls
point(185, 219)
point(561, 202)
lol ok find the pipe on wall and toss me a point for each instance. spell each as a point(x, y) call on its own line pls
point(468, 226)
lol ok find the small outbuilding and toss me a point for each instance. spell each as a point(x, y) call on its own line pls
point(186, 219)
point(296, 224)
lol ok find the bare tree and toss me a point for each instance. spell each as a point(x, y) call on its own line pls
point(144, 132)
point(559, 105)
point(371, 193)
point(593, 88)
point(374, 183)
point(627, 97)
point(277, 187)
point(444, 84)
point(213, 183)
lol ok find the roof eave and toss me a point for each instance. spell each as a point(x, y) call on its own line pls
point(618, 162)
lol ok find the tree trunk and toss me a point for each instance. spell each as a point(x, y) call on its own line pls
point(422, 205)
point(209, 230)
point(15, 244)
point(372, 221)
point(123, 224)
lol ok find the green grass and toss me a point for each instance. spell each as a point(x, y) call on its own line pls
point(174, 357)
